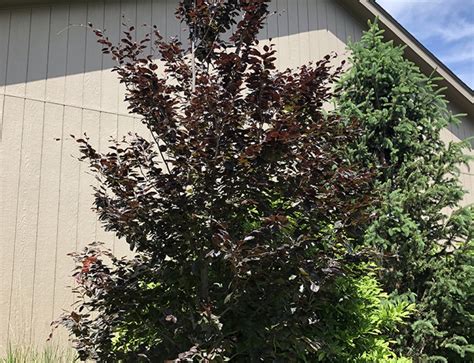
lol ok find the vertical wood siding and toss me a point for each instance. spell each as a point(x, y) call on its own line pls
point(54, 82)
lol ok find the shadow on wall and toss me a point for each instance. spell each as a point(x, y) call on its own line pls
point(45, 42)
point(56, 82)
point(465, 129)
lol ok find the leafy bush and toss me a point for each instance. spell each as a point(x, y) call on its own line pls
point(359, 319)
point(350, 320)
point(241, 213)
point(424, 238)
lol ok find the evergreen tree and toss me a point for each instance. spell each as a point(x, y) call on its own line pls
point(422, 235)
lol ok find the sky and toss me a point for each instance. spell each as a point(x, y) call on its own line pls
point(445, 27)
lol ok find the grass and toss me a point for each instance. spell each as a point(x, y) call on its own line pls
point(31, 355)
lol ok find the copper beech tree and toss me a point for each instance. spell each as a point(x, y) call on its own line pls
point(240, 208)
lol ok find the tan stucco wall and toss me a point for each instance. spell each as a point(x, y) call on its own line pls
point(54, 82)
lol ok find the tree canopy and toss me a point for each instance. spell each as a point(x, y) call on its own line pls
point(264, 227)
point(241, 208)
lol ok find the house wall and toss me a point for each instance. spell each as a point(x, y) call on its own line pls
point(54, 82)
point(457, 133)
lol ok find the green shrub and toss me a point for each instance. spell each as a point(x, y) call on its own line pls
point(360, 319)
point(423, 237)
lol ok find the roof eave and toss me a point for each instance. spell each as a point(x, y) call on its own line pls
point(457, 91)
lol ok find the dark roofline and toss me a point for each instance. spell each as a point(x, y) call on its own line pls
point(457, 92)
point(426, 50)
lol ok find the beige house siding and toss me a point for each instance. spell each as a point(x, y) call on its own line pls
point(54, 82)
point(456, 133)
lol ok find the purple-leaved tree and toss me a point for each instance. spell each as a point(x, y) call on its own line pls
point(240, 208)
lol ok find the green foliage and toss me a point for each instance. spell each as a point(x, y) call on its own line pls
point(359, 320)
point(423, 237)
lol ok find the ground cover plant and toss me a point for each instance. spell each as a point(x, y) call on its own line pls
point(423, 237)
point(242, 209)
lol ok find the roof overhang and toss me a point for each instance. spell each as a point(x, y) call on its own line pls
point(457, 92)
